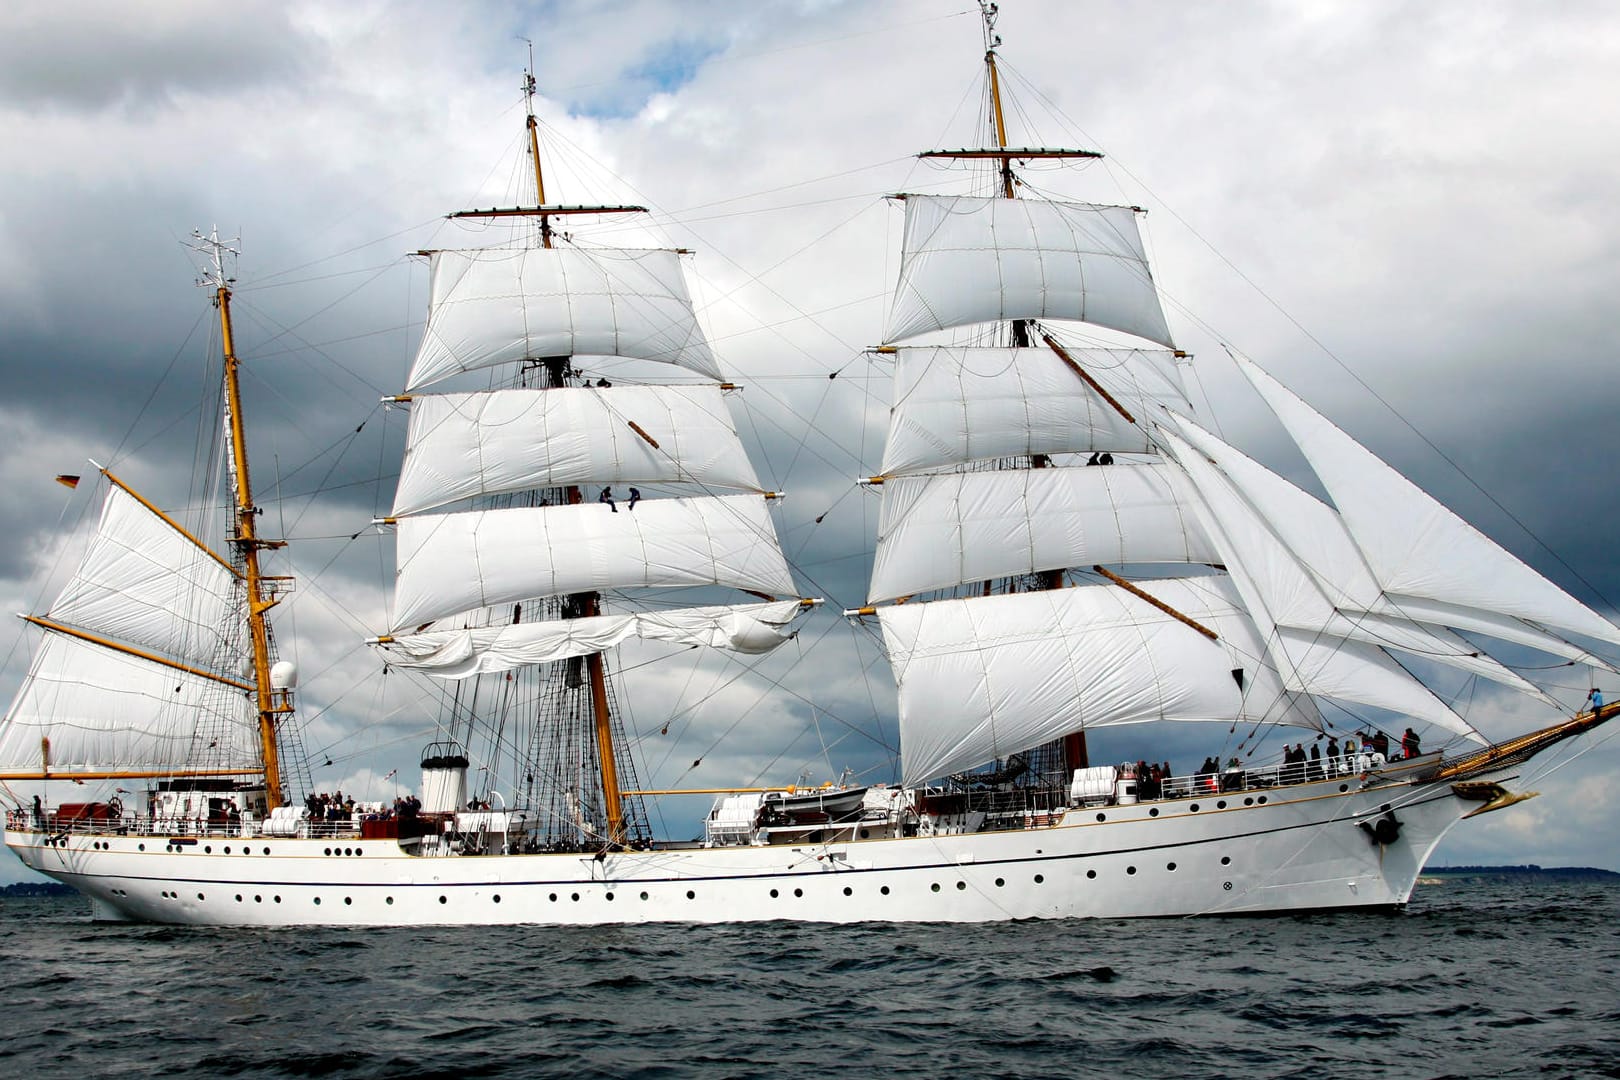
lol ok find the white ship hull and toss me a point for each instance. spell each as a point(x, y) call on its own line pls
point(1259, 851)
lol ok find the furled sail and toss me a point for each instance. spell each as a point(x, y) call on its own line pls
point(987, 676)
point(969, 259)
point(1414, 546)
point(459, 654)
point(144, 583)
point(493, 306)
point(954, 405)
point(99, 709)
point(451, 563)
point(946, 529)
point(465, 445)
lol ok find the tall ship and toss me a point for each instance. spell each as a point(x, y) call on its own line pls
point(1064, 546)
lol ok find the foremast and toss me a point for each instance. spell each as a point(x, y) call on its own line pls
point(271, 703)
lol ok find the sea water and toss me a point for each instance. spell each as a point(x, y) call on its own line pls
point(1478, 977)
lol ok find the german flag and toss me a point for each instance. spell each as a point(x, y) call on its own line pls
point(68, 480)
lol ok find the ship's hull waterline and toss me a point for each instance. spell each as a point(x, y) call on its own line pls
point(1306, 847)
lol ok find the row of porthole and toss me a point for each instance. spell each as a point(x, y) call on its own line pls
point(173, 848)
point(1039, 879)
point(335, 851)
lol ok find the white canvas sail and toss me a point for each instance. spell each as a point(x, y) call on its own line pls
point(101, 710)
point(1414, 546)
point(943, 530)
point(1315, 650)
point(143, 583)
point(971, 260)
point(464, 445)
point(451, 563)
point(985, 677)
point(493, 306)
point(1292, 591)
point(458, 654)
point(955, 405)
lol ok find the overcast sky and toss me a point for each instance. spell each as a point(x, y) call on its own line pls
point(1405, 211)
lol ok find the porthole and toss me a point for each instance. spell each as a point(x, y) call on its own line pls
point(1130, 869)
point(1102, 817)
point(774, 894)
point(1170, 867)
point(1193, 808)
point(317, 901)
point(389, 900)
point(572, 896)
point(1226, 860)
point(553, 898)
point(446, 899)
point(1227, 886)
point(1000, 882)
point(258, 899)
point(644, 895)
point(347, 901)
point(267, 851)
point(1153, 811)
point(690, 895)
point(960, 885)
point(1091, 873)
point(497, 898)
point(934, 887)
point(1343, 788)
point(1261, 800)
point(1039, 878)
point(275, 899)
point(357, 851)
point(610, 898)
point(199, 896)
point(238, 898)
point(865, 833)
point(848, 891)
point(1221, 805)
point(884, 890)
point(1248, 801)
point(798, 892)
point(227, 849)
point(141, 847)
point(208, 849)
point(329, 851)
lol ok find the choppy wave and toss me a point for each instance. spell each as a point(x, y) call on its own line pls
point(1481, 977)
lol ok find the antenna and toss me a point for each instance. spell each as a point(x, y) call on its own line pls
point(214, 252)
point(988, 11)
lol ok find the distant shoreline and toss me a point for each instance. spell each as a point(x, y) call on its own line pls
point(1530, 868)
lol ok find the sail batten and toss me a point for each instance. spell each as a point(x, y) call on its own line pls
point(462, 446)
point(972, 260)
point(452, 563)
point(494, 306)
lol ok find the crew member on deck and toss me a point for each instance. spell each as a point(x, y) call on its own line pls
point(607, 497)
point(1410, 744)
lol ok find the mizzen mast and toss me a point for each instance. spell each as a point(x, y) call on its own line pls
point(244, 534)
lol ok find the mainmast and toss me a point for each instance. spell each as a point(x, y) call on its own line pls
point(581, 605)
point(244, 537)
